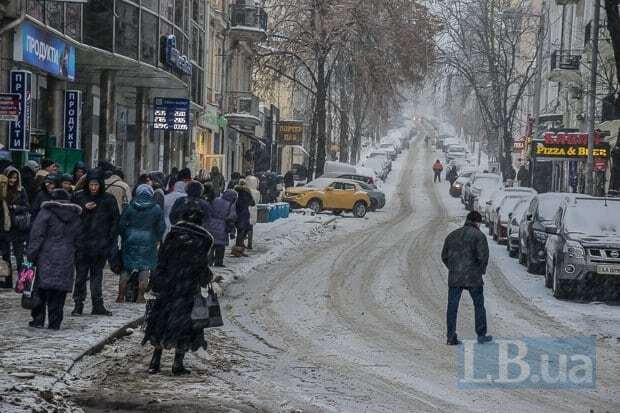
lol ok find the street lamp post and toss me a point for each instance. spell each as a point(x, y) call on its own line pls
point(592, 97)
point(539, 62)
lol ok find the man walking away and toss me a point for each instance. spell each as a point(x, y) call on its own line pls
point(119, 189)
point(466, 254)
point(437, 168)
point(99, 225)
point(523, 176)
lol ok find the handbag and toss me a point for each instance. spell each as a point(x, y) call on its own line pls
point(30, 297)
point(206, 312)
point(116, 260)
point(25, 278)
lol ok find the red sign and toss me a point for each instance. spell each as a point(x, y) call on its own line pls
point(9, 106)
point(600, 164)
point(570, 138)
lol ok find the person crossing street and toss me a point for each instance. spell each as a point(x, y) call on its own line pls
point(437, 168)
point(466, 254)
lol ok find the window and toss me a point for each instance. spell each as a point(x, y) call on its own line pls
point(35, 9)
point(148, 38)
point(178, 12)
point(197, 85)
point(349, 187)
point(166, 9)
point(150, 4)
point(73, 21)
point(55, 15)
point(98, 15)
point(127, 23)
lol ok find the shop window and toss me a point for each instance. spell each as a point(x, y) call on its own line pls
point(148, 38)
point(127, 23)
point(166, 9)
point(73, 21)
point(55, 15)
point(98, 18)
point(150, 4)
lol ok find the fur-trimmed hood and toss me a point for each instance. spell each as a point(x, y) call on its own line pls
point(11, 169)
point(64, 210)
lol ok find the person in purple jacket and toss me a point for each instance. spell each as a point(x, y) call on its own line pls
point(221, 224)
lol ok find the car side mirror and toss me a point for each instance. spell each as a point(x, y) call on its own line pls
point(551, 229)
point(529, 217)
point(489, 202)
point(329, 189)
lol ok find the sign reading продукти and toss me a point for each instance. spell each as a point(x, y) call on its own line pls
point(171, 114)
point(39, 48)
point(73, 110)
point(569, 145)
point(19, 130)
point(9, 106)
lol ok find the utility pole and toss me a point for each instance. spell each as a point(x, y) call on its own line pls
point(539, 62)
point(592, 100)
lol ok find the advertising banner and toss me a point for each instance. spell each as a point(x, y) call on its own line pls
point(9, 106)
point(290, 132)
point(19, 131)
point(171, 114)
point(73, 112)
point(48, 52)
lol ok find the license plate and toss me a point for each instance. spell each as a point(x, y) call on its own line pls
point(608, 269)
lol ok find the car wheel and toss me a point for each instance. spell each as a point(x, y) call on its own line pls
point(548, 277)
point(359, 209)
point(531, 267)
point(559, 286)
point(315, 205)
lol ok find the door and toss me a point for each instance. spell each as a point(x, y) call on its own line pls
point(333, 194)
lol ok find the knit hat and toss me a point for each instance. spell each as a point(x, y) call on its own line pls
point(33, 165)
point(474, 216)
point(144, 189)
point(66, 178)
point(184, 174)
point(46, 163)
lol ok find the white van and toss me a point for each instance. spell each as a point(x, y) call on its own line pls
point(333, 167)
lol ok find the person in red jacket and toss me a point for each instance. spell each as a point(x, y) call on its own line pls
point(437, 168)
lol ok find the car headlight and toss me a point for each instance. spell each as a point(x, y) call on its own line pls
point(457, 186)
point(574, 250)
point(541, 236)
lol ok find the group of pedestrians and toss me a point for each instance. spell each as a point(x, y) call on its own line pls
point(70, 226)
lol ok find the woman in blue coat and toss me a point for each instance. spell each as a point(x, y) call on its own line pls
point(141, 228)
point(221, 223)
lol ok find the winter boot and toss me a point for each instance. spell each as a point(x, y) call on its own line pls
point(177, 367)
point(122, 291)
point(236, 251)
point(78, 309)
point(155, 361)
point(250, 237)
point(99, 309)
point(141, 291)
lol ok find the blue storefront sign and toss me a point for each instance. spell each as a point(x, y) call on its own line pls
point(19, 131)
point(73, 111)
point(171, 114)
point(173, 57)
point(44, 50)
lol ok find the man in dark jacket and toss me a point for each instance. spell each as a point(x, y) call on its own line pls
point(523, 176)
point(99, 225)
point(192, 200)
point(466, 254)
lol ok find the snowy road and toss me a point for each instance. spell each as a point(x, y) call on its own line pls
point(356, 323)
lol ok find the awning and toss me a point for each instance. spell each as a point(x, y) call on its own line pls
point(249, 135)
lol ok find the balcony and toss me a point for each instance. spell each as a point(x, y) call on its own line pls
point(242, 110)
point(248, 23)
point(564, 66)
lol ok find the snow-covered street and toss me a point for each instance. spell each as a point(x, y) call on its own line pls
point(352, 319)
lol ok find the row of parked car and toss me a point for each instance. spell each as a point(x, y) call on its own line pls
point(350, 188)
point(571, 239)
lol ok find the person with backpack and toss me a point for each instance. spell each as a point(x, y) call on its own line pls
point(52, 247)
point(221, 224)
point(118, 188)
point(99, 235)
point(141, 227)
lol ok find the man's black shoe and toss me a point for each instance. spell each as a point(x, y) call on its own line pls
point(454, 341)
point(35, 325)
point(101, 310)
point(484, 339)
point(79, 307)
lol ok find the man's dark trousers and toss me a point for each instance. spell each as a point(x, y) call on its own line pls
point(84, 266)
point(437, 176)
point(477, 296)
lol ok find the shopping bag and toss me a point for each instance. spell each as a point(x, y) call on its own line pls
point(213, 306)
point(25, 279)
point(30, 297)
point(200, 313)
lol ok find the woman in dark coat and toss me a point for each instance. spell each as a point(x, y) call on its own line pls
point(245, 200)
point(50, 182)
point(221, 223)
point(52, 249)
point(181, 271)
point(15, 220)
point(140, 227)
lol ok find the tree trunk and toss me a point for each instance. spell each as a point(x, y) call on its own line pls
point(613, 26)
point(320, 113)
point(312, 151)
point(344, 118)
